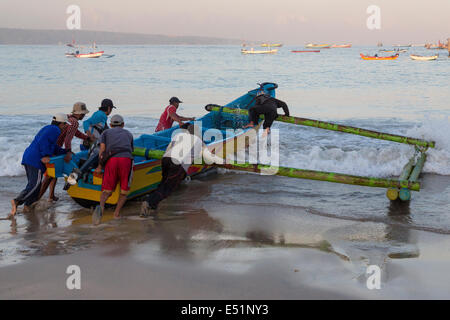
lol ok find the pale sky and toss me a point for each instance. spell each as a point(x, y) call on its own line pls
point(286, 21)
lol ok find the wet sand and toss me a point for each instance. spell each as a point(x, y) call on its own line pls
point(201, 248)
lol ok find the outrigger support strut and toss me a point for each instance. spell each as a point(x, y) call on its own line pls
point(300, 173)
point(334, 127)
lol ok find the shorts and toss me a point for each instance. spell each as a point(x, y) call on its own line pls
point(117, 169)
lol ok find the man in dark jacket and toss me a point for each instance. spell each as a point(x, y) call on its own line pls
point(267, 106)
point(34, 159)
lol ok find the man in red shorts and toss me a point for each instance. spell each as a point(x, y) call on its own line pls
point(170, 115)
point(116, 147)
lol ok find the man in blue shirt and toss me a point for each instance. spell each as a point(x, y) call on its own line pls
point(34, 159)
point(94, 126)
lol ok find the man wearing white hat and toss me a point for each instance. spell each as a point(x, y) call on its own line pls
point(34, 159)
point(65, 138)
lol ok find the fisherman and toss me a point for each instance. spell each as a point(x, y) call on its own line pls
point(116, 147)
point(79, 110)
point(94, 126)
point(267, 106)
point(34, 159)
point(182, 151)
point(170, 115)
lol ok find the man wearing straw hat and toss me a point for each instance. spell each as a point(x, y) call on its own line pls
point(34, 159)
point(79, 110)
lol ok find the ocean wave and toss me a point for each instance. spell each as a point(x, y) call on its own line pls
point(300, 147)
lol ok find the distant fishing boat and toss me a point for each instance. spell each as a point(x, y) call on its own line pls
point(402, 45)
point(379, 58)
point(271, 45)
point(253, 51)
point(301, 51)
point(321, 46)
point(86, 55)
point(341, 45)
point(396, 50)
point(424, 58)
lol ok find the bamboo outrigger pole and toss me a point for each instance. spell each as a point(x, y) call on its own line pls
point(333, 127)
point(300, 173)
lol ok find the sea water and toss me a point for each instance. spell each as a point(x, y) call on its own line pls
point(403, 97)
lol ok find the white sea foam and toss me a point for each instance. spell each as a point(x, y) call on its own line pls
point(301, 147)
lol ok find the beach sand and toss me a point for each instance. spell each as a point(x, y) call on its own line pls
point(201, 248)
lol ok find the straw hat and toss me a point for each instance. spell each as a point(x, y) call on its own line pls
point(79, 108)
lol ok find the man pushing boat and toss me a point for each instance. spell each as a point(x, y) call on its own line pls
point(267, 106)
point(116, 147)
point(34, 159)
point(79, 110)
point(184, 148)
point(170, 115)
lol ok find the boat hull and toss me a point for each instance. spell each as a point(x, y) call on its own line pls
point(89, 55)
point(379, 58)
point(341, 46)
point(321, 46)
point(423, 58)
point(259, 51)
point(147, 172)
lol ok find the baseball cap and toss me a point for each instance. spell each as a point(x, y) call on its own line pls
point(116, 120)
point(175, 99)
point(80, 108)
point(107, 103)
point(60, 117)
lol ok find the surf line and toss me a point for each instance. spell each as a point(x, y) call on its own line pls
point(198, 310)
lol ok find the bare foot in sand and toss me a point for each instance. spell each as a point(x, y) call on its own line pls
point(13, 209)
point(54, 198)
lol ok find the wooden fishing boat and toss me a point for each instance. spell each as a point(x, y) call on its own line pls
point(379, 58)
point(396, 50)
point(341, 45)
point(89, 55)
point(301, 51)
point(321, 46)
point(423, 58)
point(252, 51)
point(147, 169)
point(277, 45)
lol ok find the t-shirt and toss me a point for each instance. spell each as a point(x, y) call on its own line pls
point(165, 121)
point(69, 131)
point(186, 149)
point(43, 145)
point(118, 140)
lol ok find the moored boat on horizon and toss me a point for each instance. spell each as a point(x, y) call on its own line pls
point(253, 51)
point(364, 57)
point(321, 46)
point(423, 58)
point(272, 45)
point(341, 45)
